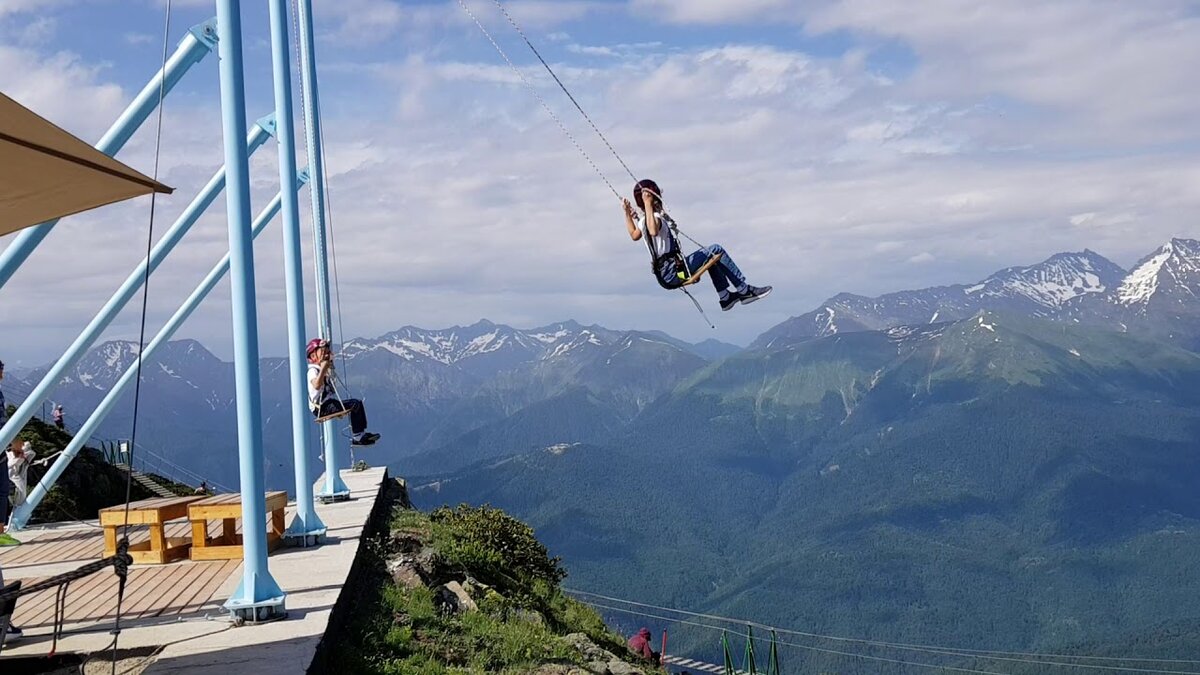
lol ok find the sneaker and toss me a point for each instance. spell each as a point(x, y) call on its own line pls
point(14, 634)
point(754, 293)
point(367, 438)
point(730, 300)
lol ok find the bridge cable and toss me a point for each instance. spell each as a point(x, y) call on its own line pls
point(950, 651)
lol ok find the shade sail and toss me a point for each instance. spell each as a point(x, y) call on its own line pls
point(47, 173)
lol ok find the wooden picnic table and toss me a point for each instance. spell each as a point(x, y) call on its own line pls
point(228, 509)
point(154, 513)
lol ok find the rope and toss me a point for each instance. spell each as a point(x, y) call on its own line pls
point(542, 101)
point(337, 284)
point(137, 388)
point(120, 562)
point(1024, 657)
point(562, 86)
point(563, 127)
point(557, 80)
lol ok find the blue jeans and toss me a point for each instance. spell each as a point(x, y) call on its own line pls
point(725, 274)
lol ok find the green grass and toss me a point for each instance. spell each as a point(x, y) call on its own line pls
point(403, 631)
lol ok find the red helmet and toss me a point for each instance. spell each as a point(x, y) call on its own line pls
point(315, 344)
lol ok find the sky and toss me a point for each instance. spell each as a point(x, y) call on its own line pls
point(830, 146)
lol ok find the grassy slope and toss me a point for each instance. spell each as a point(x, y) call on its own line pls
point(521, 619)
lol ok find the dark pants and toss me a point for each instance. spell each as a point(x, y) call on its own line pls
point(358, 414)
point(4, 488)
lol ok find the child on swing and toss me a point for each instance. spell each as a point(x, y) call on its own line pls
point(323, 397)
point(671, 265)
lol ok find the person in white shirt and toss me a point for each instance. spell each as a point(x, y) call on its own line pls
point(671, 266)
point(323, 397)
point(19, 455)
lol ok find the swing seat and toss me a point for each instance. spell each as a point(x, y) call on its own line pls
point(333, 416)
point(692, 278)
point(696, 276)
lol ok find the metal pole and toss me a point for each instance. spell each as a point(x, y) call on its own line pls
point(21, 514)
point(307, 524)
point(262, 131)
point(258, 598)
point(334, 488)
point(199, 41)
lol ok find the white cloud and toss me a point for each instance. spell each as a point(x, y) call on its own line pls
point(709, 11)
point(455, 197)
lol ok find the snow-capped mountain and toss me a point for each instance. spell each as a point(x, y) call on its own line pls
point(484, 349)
point(423, 388)
point(1168, 278)
point(1159, 297)
point(1050, 285)
point(480, 348)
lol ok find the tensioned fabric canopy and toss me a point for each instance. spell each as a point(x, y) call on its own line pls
point(47, 173)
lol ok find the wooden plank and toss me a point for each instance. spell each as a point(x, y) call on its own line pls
point(217, 552)
point(31, 607)
point(181, 577)
point(146, 591)
point(191, 593)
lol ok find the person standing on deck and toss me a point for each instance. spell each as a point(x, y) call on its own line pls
point(19, 455)
point(58, 417)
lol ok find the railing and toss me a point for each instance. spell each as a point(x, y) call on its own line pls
point(116, 452)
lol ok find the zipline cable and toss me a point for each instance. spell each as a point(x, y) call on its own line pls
point(983, 653)
point(868, 657)
point(137, 388)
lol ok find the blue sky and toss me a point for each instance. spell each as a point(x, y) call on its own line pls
point(830, 145)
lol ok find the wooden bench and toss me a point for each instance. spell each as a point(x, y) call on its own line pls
point(155, 513)
point(227, 509)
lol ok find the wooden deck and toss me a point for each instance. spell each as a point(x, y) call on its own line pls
point(176, 609)
point(153, 591)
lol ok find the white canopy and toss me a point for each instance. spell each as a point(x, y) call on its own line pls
point(47, 173)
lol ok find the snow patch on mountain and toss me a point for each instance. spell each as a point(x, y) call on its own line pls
point(1143, 280)
point(1053, 282)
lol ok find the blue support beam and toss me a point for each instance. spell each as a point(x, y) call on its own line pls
point(199, 41)
point(32, 403)
point(334, 488)
point(306, 525)
point(21, 515)
point(258, 598)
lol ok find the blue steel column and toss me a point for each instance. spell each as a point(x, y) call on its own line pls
point(262, 131)
point(21, 514)
point(334, 488)
point(258, 597)
point(192, 49)
point(306, 524)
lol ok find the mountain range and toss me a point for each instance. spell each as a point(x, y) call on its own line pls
point(1007, 464)
point(1158, 297)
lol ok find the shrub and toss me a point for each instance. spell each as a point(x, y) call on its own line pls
point(496, 549)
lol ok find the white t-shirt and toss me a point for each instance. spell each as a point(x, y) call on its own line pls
point(17, 467)
point(316, 397)
point(662, 240)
